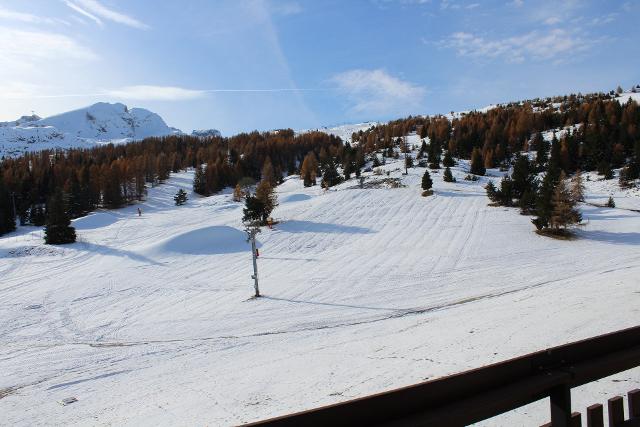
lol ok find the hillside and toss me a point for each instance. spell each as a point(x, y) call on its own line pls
point(83, 128)
point(365, 290)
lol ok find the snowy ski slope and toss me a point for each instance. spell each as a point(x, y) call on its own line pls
point(147, 320)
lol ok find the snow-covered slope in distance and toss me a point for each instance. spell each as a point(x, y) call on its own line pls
point(148, 320)
point(83, 128)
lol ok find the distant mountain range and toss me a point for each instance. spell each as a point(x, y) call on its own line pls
point(100, 123)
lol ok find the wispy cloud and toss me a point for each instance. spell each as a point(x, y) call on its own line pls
point(155, 93)
point(96, 11)
point(84, 13)
point(377, 92)
point(23, 48)
point(537, 45)
point(12, 15)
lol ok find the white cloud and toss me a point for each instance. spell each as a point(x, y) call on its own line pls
point(95, 10)
point(12, 15)
point(22, 48)
point(377, 92)
point(155, 93)
point(553, 20)
point(516, 3)
point(538, 45)
point(84, 13)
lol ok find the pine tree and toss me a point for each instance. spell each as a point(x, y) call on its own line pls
point(58, 230)
point(577, 187)
point(477, 163)
point(491, 191)
point(180, 198)
point(265, 193)
point(253, 211)
point(434, 155)
point(200, 182)
point(611, 203)
point(448, 159)
point(427, 183)
point(564, 213)
point(330, 176)
point(542, 150)
point(522, 176)
point(408, 163)
point(447, 176)
point(7, 216)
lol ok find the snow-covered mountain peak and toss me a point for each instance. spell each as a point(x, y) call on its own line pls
point(102, 122)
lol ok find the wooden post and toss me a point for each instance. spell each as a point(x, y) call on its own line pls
point(616, 411)
point(560, 397)
point(634, 404)
point(576, 420)
point(595, 417)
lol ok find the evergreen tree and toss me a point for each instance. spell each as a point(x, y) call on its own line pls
point(522, 176)
point(37, 215)
point(448, 159)
point(408, 163)
point(7, 216)
point(611, 203)
point(604, 169)
point(427, 183)
point(542, 150)
point(58, 230)
point(491, 191)
point(200, 182)
point(434, 155)
point(180, 198)
point(477, 163)
point(253, 211)
point(447, 176)
point(330, 176)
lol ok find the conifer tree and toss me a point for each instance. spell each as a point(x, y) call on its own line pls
point(577, 187)
point(542, 150)
point(267, 197)
point(330, 176)
point(434, 155)
point(448, 159)
point(200, 182)
point(309, 169)
point(58, 230)
point(564, 213)
point(253, 210)
point(477, 163)
point(238, 194)
point(7, 216)
point(611, 203)
point(447, 176)
point(491, 191)
point(427, 183)
point(180, 198)
point(268, 173)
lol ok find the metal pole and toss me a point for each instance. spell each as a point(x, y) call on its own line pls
point(255, 262)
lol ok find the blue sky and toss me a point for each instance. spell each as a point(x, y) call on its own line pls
point(263, 64)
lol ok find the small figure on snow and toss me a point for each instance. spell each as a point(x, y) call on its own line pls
point(139, 212)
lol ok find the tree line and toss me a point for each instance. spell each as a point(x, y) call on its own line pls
point(112, 176)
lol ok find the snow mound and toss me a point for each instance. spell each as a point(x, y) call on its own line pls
point(205, 241)
point(203, 133)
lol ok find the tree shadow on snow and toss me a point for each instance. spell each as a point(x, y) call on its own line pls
point(295, 226)
point(106, 250)
point(611, 237)
point(330, 304)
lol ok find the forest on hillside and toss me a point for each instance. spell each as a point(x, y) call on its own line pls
point(598, 134)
